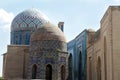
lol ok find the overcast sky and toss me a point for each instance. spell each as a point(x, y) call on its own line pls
point(77, 15)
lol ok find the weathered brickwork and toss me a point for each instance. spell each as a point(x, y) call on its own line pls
point(103, 47)
point(15, 62)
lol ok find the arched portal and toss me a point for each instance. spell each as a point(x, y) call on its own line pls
point(63, 72)
point(48, 72)
point(34, 71)
point(80, 65)
point(99, 69)
point(70, 66)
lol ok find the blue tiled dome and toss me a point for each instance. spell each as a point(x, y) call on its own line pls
point(24, 24)
point(28, 20)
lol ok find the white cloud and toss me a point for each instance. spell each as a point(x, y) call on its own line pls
point(5, 19)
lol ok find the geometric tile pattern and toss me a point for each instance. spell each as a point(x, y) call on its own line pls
point(48, 45)
point(46, 52)
point(28, 19)
point(24, 24)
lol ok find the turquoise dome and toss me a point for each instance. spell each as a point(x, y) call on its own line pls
point(29, 19)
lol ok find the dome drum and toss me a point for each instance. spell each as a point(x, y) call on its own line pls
point(47, 45)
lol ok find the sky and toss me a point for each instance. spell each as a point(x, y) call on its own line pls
point(77, 15)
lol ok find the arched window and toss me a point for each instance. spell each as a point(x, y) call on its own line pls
point(80, 65)
point(48, 72)
point(70, 66)
point(99, 69)
point(63, 72)
point(105, 55)
point(34, 71)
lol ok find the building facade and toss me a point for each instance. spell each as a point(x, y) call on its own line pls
point(77, 49)
point(95, 54)
point(38, 49)
point(103, 48)
point(71, 59)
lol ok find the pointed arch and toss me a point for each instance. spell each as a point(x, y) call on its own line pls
point(34, 71)
point(70, 66)
point(48, 72)
point(99, 69)
point(63, 72)
point(80, 65)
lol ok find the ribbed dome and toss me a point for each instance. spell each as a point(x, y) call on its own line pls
point(48, 32)
point(28, 20)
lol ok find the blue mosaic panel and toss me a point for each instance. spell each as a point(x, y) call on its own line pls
point(32, 25)
point(63, 60)
point(35, 60)
point(20, 37)
point(19, 21)
point(23, 25)
point(36, 21)
point(49, 60)
point(27, 21)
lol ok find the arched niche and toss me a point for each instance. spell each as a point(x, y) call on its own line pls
point(34, 71)
point(48, 73)
point(70, 62)
point(99, 68)
point(80, 65)
point(63, 72)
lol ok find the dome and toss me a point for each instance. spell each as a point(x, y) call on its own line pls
point(29, 19)
point(48, 32)
point(91, 30)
